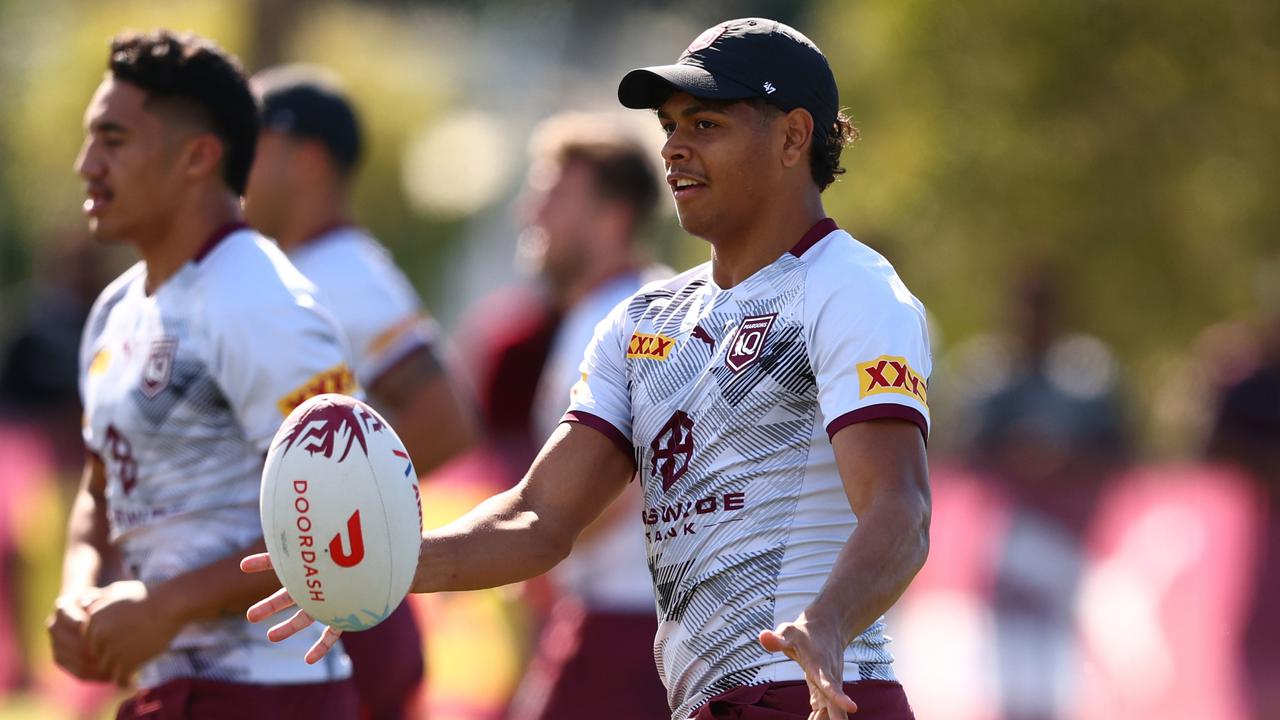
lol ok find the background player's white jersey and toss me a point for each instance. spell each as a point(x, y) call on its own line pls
point(728, 398)
point(606, 570)
point(183, 390)
point(373, 302)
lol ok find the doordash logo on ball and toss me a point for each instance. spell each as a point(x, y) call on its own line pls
point(307, 542)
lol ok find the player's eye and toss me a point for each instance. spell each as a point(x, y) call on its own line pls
point(668, 128)
point(704, 125)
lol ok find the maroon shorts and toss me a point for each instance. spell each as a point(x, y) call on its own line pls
point(387, 665)
point(592, 659)
point(876, 699)
point(188, 699)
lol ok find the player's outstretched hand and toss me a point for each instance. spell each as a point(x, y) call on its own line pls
point(280, 600)
point(821, 656)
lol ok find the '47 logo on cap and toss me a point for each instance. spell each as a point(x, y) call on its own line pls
point(891, 374)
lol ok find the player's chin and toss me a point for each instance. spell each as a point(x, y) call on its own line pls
point(697, 222)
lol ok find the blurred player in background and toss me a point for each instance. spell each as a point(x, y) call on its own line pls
point(591, 188)
point(189, 362)
point(773, 403)
point(300, 194)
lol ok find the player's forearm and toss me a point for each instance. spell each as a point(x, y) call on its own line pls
point(500, 542)
point(88, 547)
point(876, 564)
point(216, 590)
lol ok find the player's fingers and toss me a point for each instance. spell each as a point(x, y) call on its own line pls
point(255, 563)
point(263, 609)
point(834, 696)
point(287, 628)
point(326, 642)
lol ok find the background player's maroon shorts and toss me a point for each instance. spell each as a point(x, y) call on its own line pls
point(387, 665)
point(877, 700)
point(187, 699)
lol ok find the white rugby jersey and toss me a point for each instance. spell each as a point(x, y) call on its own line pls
point(370, 297)
point(728, 397)
point(183, 390)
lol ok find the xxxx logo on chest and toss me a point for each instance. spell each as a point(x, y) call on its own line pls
point(891, 374)
point(651, 347)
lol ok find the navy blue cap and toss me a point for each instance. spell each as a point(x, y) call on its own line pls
point(741, 59)
point(304, 104)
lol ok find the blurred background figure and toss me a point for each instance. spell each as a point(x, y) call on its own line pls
point(1245, 434)
point(299, 193)
point(591, 189)
point(1048, 431)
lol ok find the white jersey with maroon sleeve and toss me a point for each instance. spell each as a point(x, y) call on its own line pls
point(183, 390)
point(728, 399)
point(371, 299)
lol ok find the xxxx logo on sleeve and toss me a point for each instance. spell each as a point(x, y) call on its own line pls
point(652, 347)
point(890, 374)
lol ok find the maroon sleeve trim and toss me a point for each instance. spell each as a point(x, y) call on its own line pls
point(879, 412)
point(604, 426)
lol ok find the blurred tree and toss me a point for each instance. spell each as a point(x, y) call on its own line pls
point(1135, 142)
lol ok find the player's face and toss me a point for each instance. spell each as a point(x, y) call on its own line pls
point(720, 162)
point(128, 163)
point(269, 189)
point(561, 211)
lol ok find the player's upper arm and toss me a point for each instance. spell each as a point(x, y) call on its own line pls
point(883, 460)
point(578, 473)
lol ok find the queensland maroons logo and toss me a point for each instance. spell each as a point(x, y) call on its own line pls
point(330, 427)
point(749, 341)
point(159, 368)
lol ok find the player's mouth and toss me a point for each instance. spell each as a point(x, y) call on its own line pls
point(684, 186)
point(96, 200)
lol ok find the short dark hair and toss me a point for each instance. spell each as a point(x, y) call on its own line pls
point(620, 165)
point(199, 76)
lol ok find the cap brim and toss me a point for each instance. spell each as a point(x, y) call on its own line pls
point(650, 87)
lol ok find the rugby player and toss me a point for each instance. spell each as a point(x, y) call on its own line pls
point(772, 402)
point(299, 193)
point(190, 361)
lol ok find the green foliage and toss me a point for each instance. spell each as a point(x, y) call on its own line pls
point(1133, 144)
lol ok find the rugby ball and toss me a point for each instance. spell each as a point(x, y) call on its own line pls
point(341, 512)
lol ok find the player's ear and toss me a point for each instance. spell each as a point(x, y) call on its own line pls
point(798, 127)
point(202, 155)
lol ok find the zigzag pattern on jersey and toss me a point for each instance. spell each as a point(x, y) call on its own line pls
point(190, 385)
point(717, 660)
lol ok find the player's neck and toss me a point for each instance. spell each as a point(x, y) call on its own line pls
point(586, 283)
point(312, 215)
point(187, 231)
point(739, 252)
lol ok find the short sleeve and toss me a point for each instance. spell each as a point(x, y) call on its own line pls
point(601, 399)
point(267, 363)
point(869, 345)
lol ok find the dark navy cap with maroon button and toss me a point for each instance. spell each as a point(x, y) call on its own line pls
point(741, 59)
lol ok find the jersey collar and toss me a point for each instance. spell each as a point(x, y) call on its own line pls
point(217, 237)
point(821, 229)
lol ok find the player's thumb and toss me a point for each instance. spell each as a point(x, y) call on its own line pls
point(773, 642)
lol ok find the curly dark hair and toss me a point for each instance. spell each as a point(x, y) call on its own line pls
point(824, 157)
point(196, 77)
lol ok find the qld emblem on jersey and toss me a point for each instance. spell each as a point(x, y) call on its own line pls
point(155, 377)
point(749, 340)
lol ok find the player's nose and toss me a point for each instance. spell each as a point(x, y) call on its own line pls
point(675, 149)
point(88, 164)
